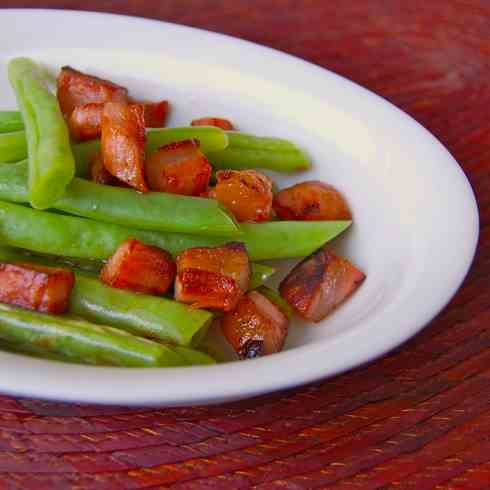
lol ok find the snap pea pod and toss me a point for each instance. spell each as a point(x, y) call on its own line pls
point(151, 211)
point(55, 234)
point(148, 316)
point(237, 139)
point(286, 161)
point(260, 274)
point(51, 162)
point(89, 343)
point(10, 121)
point(13, 146)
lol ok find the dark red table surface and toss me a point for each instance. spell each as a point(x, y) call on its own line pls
point(419, 418)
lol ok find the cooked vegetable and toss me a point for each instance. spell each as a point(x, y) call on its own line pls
point(274, 297)
point(318, 284)
point(51, 162)
point(85, 122)
point(150, 211)
point(259, 274)
point(252, 142)
point(89, 343)
point(212, 277)
point(256, 327)
point(140, 314)
point(310, 201)
point(210, 139)
point(178, 168)
point(139, 267)
point(35, 287)
point(246, 193)
point(10, 121)
point(213, 121)
point(122, 143)
point(77, 89)
point(13, 146)
point(155, 113)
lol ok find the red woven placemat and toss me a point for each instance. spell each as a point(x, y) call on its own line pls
point(417, 419)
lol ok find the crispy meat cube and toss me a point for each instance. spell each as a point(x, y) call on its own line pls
point(139, 267)
point(246, 193)
point(45, 289)
point(319, 283)
point(98, 173)
point(311, 201)
point(123, 143)
point(85, 121)
point(179, 168)
point(77, 89)
point(213, 277)
point(214, 121)
point(155, 113)
point(256, 327)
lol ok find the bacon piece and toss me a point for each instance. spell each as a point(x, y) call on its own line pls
point(214, 121)
point(98, 173)
point(319, 283)
point(139, 267)
point(213, 277)
point(123, 143)
point(179, 168)
point(85, 121)
point(45, 289)
point(311, 201)
point(77, 89)
point(246, 193)
point(155, 113)
point(256, 327)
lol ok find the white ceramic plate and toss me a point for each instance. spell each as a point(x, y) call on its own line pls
point(416, 220)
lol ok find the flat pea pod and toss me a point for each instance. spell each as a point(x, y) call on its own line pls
point(10, 121)
point(81, 341)
point(150, 211)
point(51, 161)
point(260, 274)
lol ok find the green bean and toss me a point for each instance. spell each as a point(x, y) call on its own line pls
point(13, 146)
point(143, 315)
point(210, 138)
point(51, 162)
point(277, 299)
point(89, 343)
point(10, 121)
point(151, 211)
point(243, 158)
point(70, 236)
point(237, 139)
point(260, 274)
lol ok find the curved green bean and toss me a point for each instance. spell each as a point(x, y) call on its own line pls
point(89, 343)
point(51, 162)
point(151, 211)
point(10, 121)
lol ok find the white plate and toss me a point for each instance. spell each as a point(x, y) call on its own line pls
point(416, 220)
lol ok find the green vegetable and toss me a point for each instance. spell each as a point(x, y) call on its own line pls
point(89, 343)
point(210, 139)
point(260, 274)
point(70, 236)
point(153, 210)
point(13, 146)
point(51, 162)
point(278, 300)
point(10, 121)
point(244, 158)
point(237, 139)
